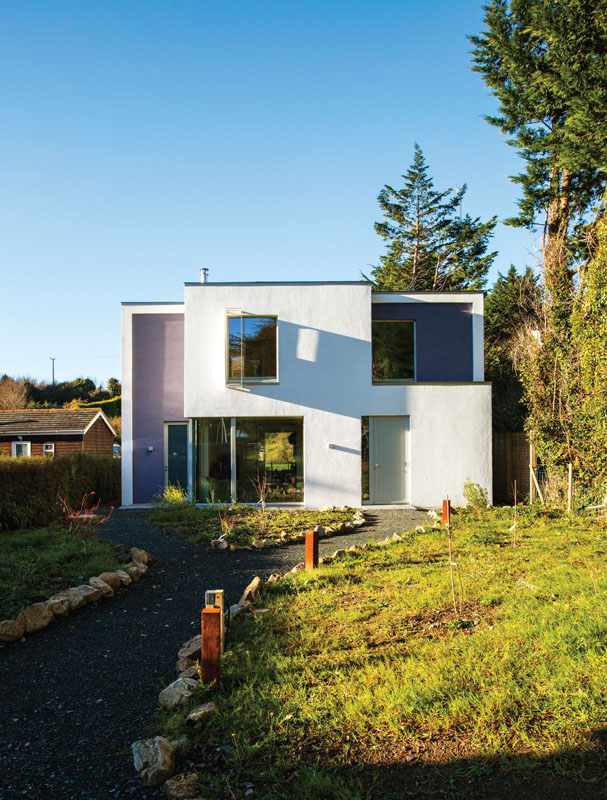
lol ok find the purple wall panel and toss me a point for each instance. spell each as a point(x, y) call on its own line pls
point(443, 337)
point(157, 395)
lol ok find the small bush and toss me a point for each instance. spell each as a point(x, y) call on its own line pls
point(171, 496)
point(29, 487)
point(475, 495)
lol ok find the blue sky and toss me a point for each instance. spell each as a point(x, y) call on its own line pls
point(140, 141)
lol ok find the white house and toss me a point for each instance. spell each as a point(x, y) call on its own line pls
point(329, 392)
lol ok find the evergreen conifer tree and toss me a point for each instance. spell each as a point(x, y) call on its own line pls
point(429, 245)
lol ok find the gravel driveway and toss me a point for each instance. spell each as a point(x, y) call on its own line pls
point(75, 695)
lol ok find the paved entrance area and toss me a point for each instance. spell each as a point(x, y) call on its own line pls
point(75, 695)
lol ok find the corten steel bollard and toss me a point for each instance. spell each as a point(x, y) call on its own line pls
point(311, 550)
point(446, 512)
point(210, 651)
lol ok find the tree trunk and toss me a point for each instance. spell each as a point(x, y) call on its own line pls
point(558, 276)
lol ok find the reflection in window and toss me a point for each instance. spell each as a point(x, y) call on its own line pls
point(270, 448)
point(393, 346)
point(364, 462)
point(212, 454)
point(252, 348)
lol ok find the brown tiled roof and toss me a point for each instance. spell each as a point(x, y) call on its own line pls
point(50, 420)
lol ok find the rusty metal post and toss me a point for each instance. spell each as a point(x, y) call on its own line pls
point(311, 550)
point(446, 512)
point(210, 651)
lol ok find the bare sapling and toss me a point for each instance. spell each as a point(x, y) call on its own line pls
point(513, 527)
point(453, 564)
point(260, 484)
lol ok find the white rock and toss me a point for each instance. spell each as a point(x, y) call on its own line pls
point(35, 617)
point(177, 693)
point(125, 578)
point(219, 544)
point(201, 713)
point(137, 554)
point(191, 648)
point(11, 630)
point(59, 604)
point(298, 567)
point(154, 760)
point(251, 591)
point(105, 588)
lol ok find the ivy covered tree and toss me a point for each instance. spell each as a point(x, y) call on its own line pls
point(589, 331)
point(429, 245)
point(511, 306)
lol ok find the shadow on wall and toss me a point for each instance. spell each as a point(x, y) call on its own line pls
point(318, 369)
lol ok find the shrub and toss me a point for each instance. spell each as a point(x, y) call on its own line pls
point(29, 487)
point(171, 496)
point(111, 408)
point(475, 495)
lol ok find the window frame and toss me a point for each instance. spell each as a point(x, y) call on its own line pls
point(21, 442)
point(396, 381)
point(242, 381)
point(51, 451)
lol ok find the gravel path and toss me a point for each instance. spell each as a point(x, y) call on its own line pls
point(75, 695)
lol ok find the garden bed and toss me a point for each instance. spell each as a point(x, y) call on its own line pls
point(34, 564)
point(366, 679)
point(244, 526)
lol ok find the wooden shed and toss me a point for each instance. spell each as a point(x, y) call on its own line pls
point(56, 432)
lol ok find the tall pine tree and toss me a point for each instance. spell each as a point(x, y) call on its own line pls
point(545, 62)
point(430, 246)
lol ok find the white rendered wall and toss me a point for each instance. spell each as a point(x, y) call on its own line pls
point(324, 335)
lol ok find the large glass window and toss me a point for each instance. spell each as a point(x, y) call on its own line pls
point(269, 449)
point(252, 349)
point(393, 347)
point(212, 460)
point(265, 450)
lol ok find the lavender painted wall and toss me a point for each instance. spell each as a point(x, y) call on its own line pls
point(157, 395)
point(443, 337)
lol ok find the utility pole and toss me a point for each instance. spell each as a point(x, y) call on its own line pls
point(52, 358)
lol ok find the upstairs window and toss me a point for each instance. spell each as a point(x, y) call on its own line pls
point(252, 349)
point(393, 348)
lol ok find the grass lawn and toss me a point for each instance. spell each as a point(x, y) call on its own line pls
point(35, 564)
point(362, 681)
point(242, 525)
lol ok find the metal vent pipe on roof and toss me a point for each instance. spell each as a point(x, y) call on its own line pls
point(204, 275)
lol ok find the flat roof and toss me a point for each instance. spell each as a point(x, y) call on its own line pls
point(152, 303)
point(277, 283)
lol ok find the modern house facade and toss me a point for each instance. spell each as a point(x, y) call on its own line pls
point(317, 393)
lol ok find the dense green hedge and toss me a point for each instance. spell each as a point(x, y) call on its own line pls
point(29, 486)
point(111, 408)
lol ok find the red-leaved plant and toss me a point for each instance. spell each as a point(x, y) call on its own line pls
point(84, 521)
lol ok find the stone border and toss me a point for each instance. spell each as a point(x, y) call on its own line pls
point(341, 528)
point(154, 759)
point(37, 616)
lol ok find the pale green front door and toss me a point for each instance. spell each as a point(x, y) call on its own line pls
point(388, 467)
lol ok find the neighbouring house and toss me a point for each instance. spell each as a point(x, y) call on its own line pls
point(319, 393)
point(55, 432)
